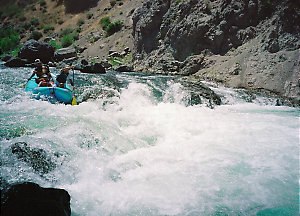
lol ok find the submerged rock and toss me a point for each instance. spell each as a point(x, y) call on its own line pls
point(35, 157)
point(6, 58)
point(200, 93)
point(15, 62)
point(30, 199)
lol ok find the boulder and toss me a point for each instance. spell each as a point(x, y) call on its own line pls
point(93, 68)
point(16, 62)
point(192, 65)
point(80, 49)
point(124, 68)
point(84, 62)
point(111, 51)
point(65, 53)
point(6, 58)
point(199, 93)
point(127, 50)
point(115, 55)
point(48, 39)
point(33, 49)
point(30, 199)
point(70, 61)
point(106, 64)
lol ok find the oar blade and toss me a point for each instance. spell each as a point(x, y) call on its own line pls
point(74, 102)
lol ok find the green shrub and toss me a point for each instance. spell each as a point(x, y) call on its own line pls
point(116, 61)
point(67, 40)
point(92, 40)
point(9, 40)
point(110, 27)
point(80, 22)
point(16, 50)
point(34, 22)
point(48, 28)
point(26, 25)
point(105, 21)
point(89, 15)
point(68, 36)
point(75, 35)
point(42, 3)
point(36, 35)
point(65, 32)
point(55, 44)
point(78, 29)
point(114, 27)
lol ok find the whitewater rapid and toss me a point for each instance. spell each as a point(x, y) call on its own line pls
point(140, 152)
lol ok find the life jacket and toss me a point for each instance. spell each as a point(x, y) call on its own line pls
point(62, 77)
point(44, 83)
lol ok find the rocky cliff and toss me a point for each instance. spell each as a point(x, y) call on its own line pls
point(252, 44)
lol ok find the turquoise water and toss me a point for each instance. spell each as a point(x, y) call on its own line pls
point(134, 146)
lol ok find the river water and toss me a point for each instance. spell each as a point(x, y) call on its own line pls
point(134, 146)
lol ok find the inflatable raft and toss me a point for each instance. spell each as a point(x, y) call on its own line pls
point(64, 95)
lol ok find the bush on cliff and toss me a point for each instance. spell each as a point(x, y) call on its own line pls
point(9, 40)
point(110, 27)
point(34, 22)
point(104, 22)
point(36, 35)
point(55, 44)
point(68, 36)
point(114, 27)
point(48, 28)
point(80, 22)
point(67, 40)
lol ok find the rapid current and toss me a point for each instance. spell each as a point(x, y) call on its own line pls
point(134, 146)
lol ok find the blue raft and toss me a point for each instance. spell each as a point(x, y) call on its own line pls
point(64, 95)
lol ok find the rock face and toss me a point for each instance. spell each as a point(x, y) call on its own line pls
point(235, 41)
point(33, 49)
point(31, 199)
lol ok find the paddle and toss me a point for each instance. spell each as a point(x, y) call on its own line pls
point(74, 102)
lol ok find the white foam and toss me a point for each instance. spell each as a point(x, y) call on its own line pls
point(140, 156)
